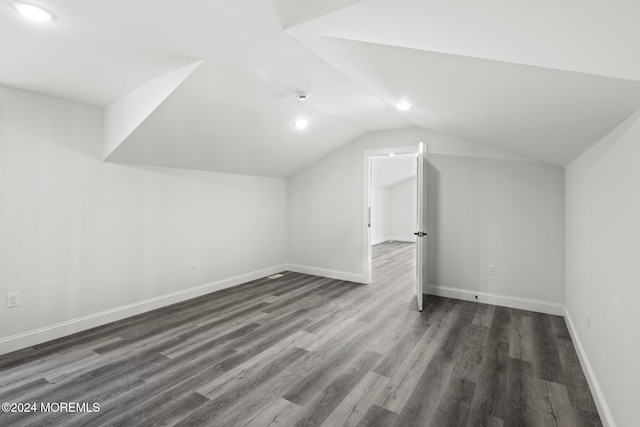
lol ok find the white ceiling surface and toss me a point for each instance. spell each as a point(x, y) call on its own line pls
point(84, 55)
point(542, 113)
point(389, 171)
point(240, 126)
point(588, 36)
point(294, 12)
point(455, 62)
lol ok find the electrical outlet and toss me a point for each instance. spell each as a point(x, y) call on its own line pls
point(12, 299)
point(306, 249)
point(192, 264)
point(491, 270)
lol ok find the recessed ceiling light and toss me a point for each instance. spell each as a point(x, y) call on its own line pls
point(32, 12)
point(391, 154)
point(403, 106)
point(300, 124)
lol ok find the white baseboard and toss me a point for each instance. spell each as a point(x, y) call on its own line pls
point(603, 409)
point(59, 330)
point(378, 241)
point(324, 272)
point(546, 307)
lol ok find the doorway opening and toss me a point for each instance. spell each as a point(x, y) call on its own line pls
point(393, 215)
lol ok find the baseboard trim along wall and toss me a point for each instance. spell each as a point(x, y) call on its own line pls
point(598, 396)
point(325, 272)
point(59, 330)
point(51, 332)
point(546, 307)
point(410, 239)
point(378, 241)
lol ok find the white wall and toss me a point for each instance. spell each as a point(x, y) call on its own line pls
point(402, 210)
point(380, 212)
point(508, 213)
point(80, 236)
point(479, 186)
point(325, 215)
point(393, 212)
point(603, 268)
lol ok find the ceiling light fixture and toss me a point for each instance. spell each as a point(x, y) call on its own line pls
point(391, 154)
point(302, 96)
point(300, 124)
point(33, 12)
point(403, 106)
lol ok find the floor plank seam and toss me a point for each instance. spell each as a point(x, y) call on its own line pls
point(309, 350)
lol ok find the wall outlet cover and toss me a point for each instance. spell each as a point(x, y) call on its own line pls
point(13, 299)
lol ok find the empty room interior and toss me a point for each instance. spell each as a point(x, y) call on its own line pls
point(336, 213)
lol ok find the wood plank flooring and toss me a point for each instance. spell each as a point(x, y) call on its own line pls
point(309, 351)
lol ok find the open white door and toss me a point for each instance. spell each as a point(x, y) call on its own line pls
point(421, 241)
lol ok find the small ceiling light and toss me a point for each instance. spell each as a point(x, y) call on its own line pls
point(300, 124)
point(302, 96)
point(403, 106)
point(33, 12)
point(391, 154)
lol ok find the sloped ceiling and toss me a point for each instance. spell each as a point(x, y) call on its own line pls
point(543, 113)
point(541, 79)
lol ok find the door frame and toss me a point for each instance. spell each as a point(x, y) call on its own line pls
point(366, 200)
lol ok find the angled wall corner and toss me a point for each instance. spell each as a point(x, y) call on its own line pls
point(123, 116)
point(295, 12)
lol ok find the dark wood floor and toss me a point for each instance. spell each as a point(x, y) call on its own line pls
point(304, 350)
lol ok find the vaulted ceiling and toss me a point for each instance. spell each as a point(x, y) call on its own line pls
point(211, 85)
